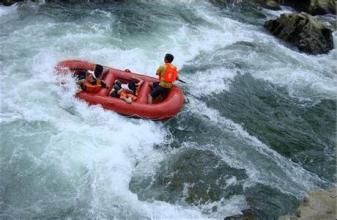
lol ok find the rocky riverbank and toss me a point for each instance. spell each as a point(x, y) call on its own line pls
point(8, 2)
point(300, 29)
point(313, 7)
point(319, 204)
point(303, 31)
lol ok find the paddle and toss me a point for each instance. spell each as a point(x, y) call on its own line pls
point(180, 80)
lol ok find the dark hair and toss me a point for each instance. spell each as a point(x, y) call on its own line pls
point(116, 87)
point(118, 83)
point(169, 57)
point(98, 70)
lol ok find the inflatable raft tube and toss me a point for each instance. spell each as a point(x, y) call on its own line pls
point(162, 109)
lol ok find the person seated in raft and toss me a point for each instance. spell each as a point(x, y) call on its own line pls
point(126, 95)
point(80, 74)
point(134, 84)
point(91, 84)
point(167, 73)
point(98, 71)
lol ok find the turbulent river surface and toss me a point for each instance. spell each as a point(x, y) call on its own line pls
point(257, 132)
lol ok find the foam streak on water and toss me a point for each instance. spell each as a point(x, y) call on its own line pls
point(262, 164)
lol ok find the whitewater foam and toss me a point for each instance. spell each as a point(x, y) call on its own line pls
point(281, 173)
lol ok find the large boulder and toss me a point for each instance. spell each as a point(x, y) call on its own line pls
point(302, 30)
point(191, 175)
point(9, 2)
point(314, 7)
point(319, 204)
point(269, 4)
point(272, 4)
point(317, 7)
point(246, 215)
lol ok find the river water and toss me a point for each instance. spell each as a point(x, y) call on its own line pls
point(257, 132)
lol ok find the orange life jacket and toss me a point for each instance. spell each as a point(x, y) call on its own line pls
point(124, 93)
point(170, 74)
point(88, 87)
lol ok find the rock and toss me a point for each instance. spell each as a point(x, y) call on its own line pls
point(319, 7)
point(7, 2)
point(318, 205)
point(303, 31)
point(313, 7)
point(287, 217)
point(192, 176)
point(246, 215)
point(11, 2)
point(269, 4)
point(273, 5)
point(269, 203)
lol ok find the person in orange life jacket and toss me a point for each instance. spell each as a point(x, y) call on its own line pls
point(80, 74)
point(127, 91)
point(124, 91)
point(91, 84)
point(167, 73)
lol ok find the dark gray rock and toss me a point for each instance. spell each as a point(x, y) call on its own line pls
point(269, 4)
point(272, 4)
point(313, 7)
point(302, 30)
point(191, 176)
point(246, 215)
point(322, 6)
point(7, 2)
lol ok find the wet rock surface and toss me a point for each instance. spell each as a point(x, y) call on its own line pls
point(319, 204)
point(261, 205)
point(313, 7)
point(246, 215)
point(199, 177)
point(303, 31)
point(269, 4)
point(193, 176)
point(7, 2)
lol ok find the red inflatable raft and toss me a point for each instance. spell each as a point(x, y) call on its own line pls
point(159, 110)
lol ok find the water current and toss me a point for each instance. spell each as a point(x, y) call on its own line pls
point(257, 132)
